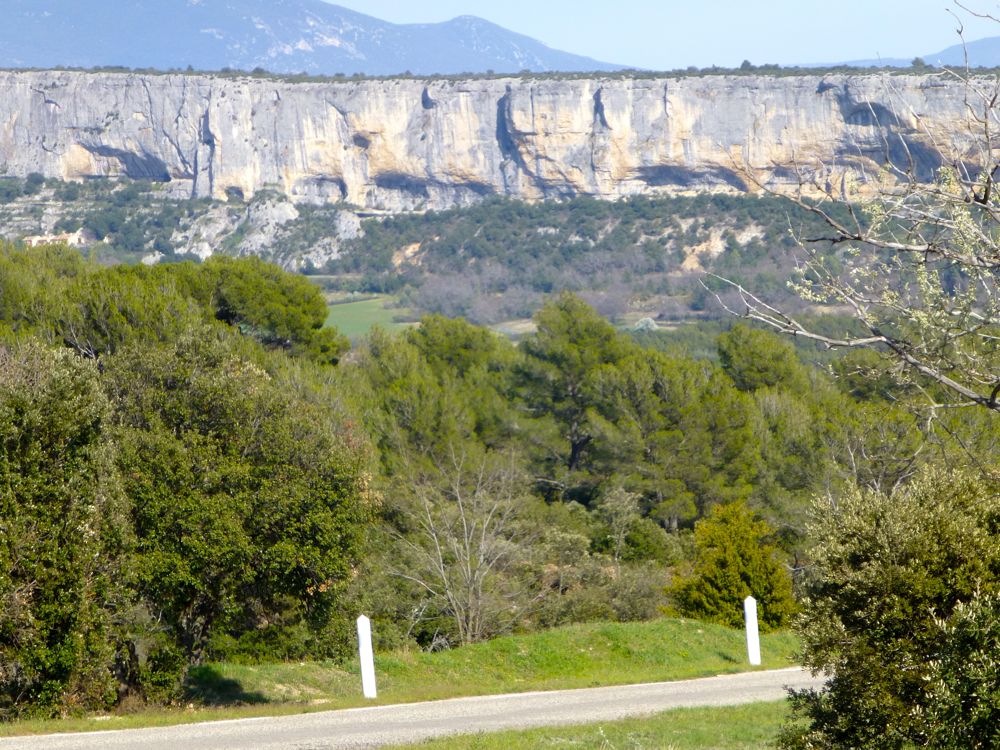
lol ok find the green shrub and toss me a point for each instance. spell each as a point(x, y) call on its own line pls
point(61, 536)
point(733, 561)
point(901, 612)
point(162, 673)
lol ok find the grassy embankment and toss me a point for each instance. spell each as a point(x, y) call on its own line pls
point(750, 727)
point(569, 657)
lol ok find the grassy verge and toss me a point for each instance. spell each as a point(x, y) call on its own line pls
point(570, 657)
point(578, 656)
point(355, 319)
point(728, 728)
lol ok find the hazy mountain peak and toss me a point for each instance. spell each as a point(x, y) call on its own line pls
point(284, 36)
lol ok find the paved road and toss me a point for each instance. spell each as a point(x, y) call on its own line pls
point(381, 725)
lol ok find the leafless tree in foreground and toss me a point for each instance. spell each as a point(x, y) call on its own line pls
point(465, 541)
point(923, 256)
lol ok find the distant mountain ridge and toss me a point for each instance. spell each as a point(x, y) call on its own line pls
point(982, 53)
point(281, 36)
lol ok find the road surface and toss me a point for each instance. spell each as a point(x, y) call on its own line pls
point(381, 725)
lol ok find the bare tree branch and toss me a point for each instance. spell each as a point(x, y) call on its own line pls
point(921, 257)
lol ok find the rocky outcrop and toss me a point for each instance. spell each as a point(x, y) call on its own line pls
point(407, 144)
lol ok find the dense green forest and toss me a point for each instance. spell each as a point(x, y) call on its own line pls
point(193, 468)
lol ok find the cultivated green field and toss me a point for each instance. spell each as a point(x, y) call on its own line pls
point(355, 319)
point(729, 728)
point(576, 656)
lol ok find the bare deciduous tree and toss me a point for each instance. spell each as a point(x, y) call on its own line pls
point(466, 539)
point(619, 509)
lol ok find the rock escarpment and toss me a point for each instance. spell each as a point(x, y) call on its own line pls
point(404, 144)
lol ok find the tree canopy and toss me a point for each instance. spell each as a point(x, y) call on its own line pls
point(249, 491)
point(169, 481)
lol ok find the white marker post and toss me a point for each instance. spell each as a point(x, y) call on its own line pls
point(753, 636)
point(367, 656)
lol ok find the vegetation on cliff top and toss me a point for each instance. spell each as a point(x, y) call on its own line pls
point(917, 67)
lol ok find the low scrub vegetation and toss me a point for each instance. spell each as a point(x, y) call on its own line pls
point(499, 260)
point(488, 263)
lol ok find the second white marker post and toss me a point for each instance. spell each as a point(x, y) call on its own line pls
point(367, 655)
point(753, 635)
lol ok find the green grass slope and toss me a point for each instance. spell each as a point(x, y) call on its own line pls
point(575, 656)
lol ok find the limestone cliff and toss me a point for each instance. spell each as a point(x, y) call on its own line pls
point(404, 144)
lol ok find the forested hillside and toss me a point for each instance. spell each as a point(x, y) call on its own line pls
point(498, 260)
point(192, 468)
point(493, 262)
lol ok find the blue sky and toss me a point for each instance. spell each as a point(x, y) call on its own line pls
point(665, 34)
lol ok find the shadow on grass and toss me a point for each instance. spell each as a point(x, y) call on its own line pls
point(727, 657)
point(207, 686)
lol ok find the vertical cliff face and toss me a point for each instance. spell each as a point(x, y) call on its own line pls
point(405, 144)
